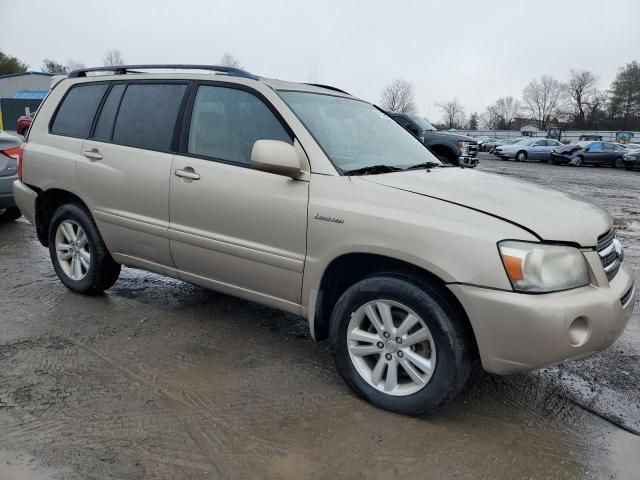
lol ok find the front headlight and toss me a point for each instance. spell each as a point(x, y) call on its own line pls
point(464, 147)
point(536, 267)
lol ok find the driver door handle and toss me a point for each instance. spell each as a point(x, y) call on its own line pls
point(93, 154)
point(190, 174)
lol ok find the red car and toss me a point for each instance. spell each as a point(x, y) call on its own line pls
point(23, 123)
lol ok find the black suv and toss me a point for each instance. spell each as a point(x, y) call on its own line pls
point(448, 147)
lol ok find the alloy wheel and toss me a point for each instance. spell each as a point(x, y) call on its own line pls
point(391, 347)
point(72, 250)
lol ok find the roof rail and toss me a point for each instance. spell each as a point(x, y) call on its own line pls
point(124, 69)
point(328, 87)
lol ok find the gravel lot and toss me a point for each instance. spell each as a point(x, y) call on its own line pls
point(163, 379)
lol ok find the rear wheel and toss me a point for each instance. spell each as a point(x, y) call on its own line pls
point(400, 344)
point(79, 256)
point(521, 156)
point(9, 214)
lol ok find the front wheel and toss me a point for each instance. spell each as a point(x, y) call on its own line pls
point(79, 256)
point(578, 162)
point(521, 156)
point(400, 344)
point(619, 163)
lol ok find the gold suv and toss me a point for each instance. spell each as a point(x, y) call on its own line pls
point(307, 199)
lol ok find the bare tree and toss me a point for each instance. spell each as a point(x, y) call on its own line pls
point(582, 92)
point(507, 108)
point(541, 97)
point(228, 60)
point(398, 96)
point(112, 58)
point(453, 112)
point(489, 119)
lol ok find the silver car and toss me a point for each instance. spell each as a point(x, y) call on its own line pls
point(9, 149)
point(528, 149)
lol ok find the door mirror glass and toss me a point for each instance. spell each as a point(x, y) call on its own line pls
point(275, 156)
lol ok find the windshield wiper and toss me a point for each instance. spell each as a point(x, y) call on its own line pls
point(372, 170)
point(426, 165)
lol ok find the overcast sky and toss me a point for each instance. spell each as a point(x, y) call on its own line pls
point(476, 50)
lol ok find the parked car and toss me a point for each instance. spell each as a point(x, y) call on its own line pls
point(23, 123)
point(9, 150)
point(631, 159)
point(507, 141)
point(448, 147)
point(490, 144)
point(528, 149)
point(307, 199)
point(589, 153)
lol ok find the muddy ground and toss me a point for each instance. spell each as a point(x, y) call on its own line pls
point(163, 379)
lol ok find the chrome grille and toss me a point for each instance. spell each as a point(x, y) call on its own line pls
point(473, 149)
point(611, 253)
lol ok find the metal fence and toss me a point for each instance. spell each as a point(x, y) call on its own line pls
point(567, 135)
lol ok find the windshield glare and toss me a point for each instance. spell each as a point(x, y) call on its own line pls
point(422, 123)
point(354, 134)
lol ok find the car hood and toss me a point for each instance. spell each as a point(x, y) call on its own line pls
point(568, 149)
point(453, 137)
point(549, 214)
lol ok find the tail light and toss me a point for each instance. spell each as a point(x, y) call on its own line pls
point(20, 160)
point(11, 152)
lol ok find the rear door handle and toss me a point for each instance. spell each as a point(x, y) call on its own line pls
point(190, 174)
point(93, 154)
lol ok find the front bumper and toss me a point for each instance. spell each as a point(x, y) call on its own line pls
point(25, 199)
point(557, 158)
point(519, 332)
point(631, 163)
point(468, 161)
point(6, 193)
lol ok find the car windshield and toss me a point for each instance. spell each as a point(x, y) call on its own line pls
point(355, 135)
point(524, 141)
point(422, 123)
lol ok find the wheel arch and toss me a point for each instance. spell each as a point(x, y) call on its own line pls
point(526, 154)
point(446, 150)
point(46, 204)
point(347, 269)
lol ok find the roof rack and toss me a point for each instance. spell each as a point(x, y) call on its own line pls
point(328, 87)
point(124, 69)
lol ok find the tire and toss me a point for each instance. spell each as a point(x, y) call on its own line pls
point(449, 345)
point(9, 214)
point(578, 162)
point(100, 271)
point(618, 163)
point(521, 156)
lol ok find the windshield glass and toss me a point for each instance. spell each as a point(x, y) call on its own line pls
point(421, 122)
point(354, 134)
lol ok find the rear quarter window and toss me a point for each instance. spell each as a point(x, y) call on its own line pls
point(147, 115)
point(77, 110)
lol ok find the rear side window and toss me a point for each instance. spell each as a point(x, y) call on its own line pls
point(75, 114)
point(104, 125)
point(147, 115)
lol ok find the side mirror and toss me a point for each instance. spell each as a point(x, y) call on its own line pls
point(275, 156)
